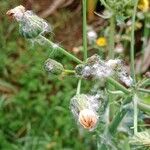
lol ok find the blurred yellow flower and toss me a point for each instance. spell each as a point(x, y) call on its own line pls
point(138, 25)
point(143, 5)
point(101, 41)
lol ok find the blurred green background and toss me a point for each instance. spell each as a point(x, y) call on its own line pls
point(34, 106)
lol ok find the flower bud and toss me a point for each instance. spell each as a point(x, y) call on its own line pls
point(53, 66)
point(84, 108)
point(88, 118)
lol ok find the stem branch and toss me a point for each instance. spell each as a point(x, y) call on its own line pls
point(78, 87)
point(118, 85)
point(63, 51)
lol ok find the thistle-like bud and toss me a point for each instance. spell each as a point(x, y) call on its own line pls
point(30, 25)
point(53, 66)
point(84, 108)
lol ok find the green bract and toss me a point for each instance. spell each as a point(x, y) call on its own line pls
point(30, 26)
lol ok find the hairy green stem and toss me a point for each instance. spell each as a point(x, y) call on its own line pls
point(117, 85)
point(133, 42)
point(63, 51)
point(79, 87)
point(143, 107)
point(84, 2)
point(135, 100)
point(69, 71)
point(146, 33)
point(145, 82)
point(112, 37)
point(144, 90)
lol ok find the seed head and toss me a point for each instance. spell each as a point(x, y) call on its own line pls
point(16, 13)
point(30, 25)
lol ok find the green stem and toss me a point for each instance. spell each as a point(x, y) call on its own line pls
point(144, 90)
point(135, 100)
point(145, 82)
point(63, 51)
point(112, 37)
point(104, 3)
point(145, 38)
point(79, 87)
point(117, 85)
point(84, 2)
point(69, 71)
point(133, 42)
point(143, 107)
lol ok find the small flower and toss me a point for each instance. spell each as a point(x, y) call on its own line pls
point(101, 41)
point(91, 35)
point(138, 25)
point(84, 108)
point(88, 118)
point(143, 5)
point(30, 25)
point(53, 66)
point(119, 48)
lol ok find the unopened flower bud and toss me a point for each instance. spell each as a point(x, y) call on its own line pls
point(88, 118)
point(79, 68)
point(84, 108)
point(53, 66)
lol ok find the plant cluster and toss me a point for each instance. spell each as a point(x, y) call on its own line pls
point(94, 109)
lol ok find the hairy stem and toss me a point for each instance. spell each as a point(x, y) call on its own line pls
point(84, 2)
point(63, 51)
point(144, 90)
point(143, 107)
point(112, 37)
point(133, 42)
point(117, 85)
point(69, 71)
point(79, 87)
point(135, 100)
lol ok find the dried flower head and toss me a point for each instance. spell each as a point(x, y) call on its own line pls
point(30, 25)
point(53, 66)
point(84, 109)
point(101, 41)
point(16, 13)
point(120, 71)
point(94, 68)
